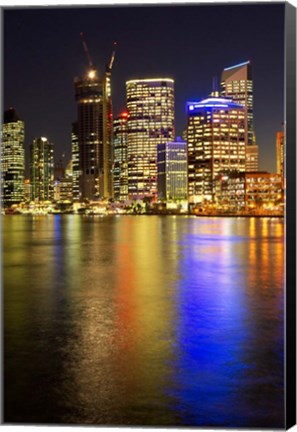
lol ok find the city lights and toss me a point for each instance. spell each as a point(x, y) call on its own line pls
point(134, 157)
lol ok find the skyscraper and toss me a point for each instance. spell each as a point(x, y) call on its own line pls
point(120, 157)
point(41, 169)
point(150, 104)
point(12, 158)
point(216, 143)
point(89, 98)
point(108, 131)
point(94, 131)
point(75, 162)
point(172, 170)
point(237, 84)
point(280, 152)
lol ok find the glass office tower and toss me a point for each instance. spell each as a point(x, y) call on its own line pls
point(120, 142)
point(42, 170)
point(12, 159)
point(150, 104)
point(94, 133)
point(172, 170)
point(216, 143)
point(237, 84)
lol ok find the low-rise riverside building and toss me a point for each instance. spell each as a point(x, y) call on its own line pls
point(249, 192)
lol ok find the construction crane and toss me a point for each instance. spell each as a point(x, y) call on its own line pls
point(86, 50)
point(112, 56)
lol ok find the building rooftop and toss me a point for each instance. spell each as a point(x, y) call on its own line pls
point(148, 80)
point(11, 116)
point(213, 102)
point(237, 65)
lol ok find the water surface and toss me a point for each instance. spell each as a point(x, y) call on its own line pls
point(144, 320)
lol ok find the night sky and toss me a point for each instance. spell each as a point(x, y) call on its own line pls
point(191, 44)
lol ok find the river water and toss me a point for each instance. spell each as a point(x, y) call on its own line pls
point(143, 320)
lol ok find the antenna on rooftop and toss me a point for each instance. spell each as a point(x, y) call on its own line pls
point(215, 91)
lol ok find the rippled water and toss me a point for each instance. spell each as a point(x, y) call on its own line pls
point(143, 320)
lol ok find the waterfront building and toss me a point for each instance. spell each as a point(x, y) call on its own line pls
point(120, 142)
point(63, 189)
point(41, 169)
point(27, 190)
point(237, 84)
point(150, 104)
point(172, 170)
point(216, 142)
point(75, 162)
point(89, 98)
point(280, 153)
point(108, 153)
point(94, 132)
point(252, 158)
point(12, 159)
point(249, 191)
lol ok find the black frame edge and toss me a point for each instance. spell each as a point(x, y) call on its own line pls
point(290, 129)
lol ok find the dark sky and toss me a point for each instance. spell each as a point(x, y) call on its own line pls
point(190, 43)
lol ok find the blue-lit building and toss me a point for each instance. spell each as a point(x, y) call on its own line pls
point(172, 170)
point(216, 143)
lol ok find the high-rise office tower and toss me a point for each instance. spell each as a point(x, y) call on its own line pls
point(172, 170)
point(216, 143)
point(150, 104)
point(108, 154)
point(280, 153)
point(75, 162)
point(12, 158)
point(41, 169)
point(120, 157)
point(94, 131)
point(89, 98)
point(237, 84)
point(251, 158)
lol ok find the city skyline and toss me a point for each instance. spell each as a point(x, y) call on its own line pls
point(192, 63)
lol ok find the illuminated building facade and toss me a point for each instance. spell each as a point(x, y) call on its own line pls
point(120, 142)
point(107, 134)
point(68, 169)
point(27, 189)
point(252, 158)
point(150, 104)
point(248, 191)
point(42, 169)
point(63, 189)
point(12, 159)
point(94, 130)
point(172, 170)
point(216, 143)
point(89, 98)
point(280, 153)
point(237, 84)
point(75, 162)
